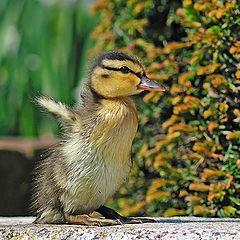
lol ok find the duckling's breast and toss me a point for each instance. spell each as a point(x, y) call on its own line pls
point(101, 162)
point(114, 134)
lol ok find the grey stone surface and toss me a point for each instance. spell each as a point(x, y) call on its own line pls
point(166, 228)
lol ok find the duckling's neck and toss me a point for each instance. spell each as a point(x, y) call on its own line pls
point(116, 118)
point(91, 98)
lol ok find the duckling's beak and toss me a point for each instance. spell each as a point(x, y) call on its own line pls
point(148, 84)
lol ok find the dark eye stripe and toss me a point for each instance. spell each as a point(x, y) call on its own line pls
point(139, 75)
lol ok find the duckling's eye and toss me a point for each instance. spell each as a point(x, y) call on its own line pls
point(124, 69)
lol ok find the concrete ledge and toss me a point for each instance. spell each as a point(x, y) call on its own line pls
point(166, 228)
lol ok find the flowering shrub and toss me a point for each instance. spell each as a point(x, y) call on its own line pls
point(186, 154)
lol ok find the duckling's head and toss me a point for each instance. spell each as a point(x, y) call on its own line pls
point(117, 74)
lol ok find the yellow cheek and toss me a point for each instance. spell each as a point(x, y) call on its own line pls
point(134, 80)
point(116, 84)
point(127, 83)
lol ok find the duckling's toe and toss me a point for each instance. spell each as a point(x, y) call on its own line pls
point(90, 221)
point(111, 214)
point(136, 220)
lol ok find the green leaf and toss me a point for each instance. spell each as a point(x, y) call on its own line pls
point(214, 29)
point(234, 200)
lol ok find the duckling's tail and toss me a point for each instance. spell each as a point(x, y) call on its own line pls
point(59, 110)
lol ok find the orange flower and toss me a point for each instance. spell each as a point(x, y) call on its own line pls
point(237, 74)
point(183, 108)
point(185, 77)
point(199, 187)
point(181, 127)
point(233, 135)
point(209, 173)
point(157, 195)
point(171, 121)
point(223, 107)
point(212, 126)
point(217, 79)
point(209, 112)
point(174, 212)
point(201, 210)
point(208, 69)
point(236, 112)
point(174, 46)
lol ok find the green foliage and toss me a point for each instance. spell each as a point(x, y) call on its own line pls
point(186, 154)
point(43, 51)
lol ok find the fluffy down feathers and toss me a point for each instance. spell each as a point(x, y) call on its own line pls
point(90, 162)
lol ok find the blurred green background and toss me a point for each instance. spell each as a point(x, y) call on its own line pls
point(43, 50)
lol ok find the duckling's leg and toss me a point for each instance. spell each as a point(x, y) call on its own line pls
point(109, 213)
point(90, 221)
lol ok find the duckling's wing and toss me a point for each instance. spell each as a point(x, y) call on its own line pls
point(66, 115)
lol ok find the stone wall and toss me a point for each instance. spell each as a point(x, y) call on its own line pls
point(18, 157)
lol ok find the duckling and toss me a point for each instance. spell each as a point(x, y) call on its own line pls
point(92, 160)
